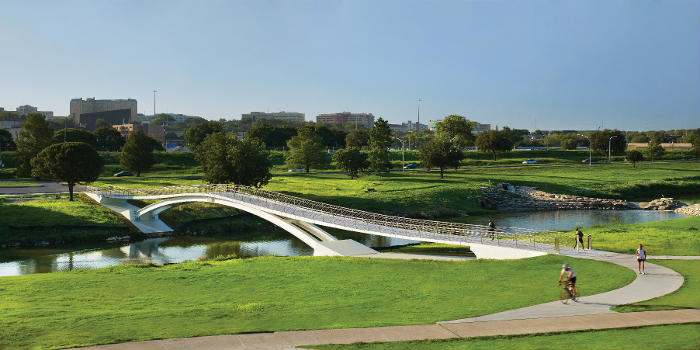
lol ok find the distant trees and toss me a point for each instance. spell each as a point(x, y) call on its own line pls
point(109, 139)
point(195, 135)
point(495, 141)
point(380, 140)
point(6, 141)
point(351, 160)
point(227, 159)
point(568, 142)
point(654, 149)
point(70, 162)
point(36, 134)
point(457, 130)
point(75, 135)
point(357, 138)
point(137, 153)
point(442, 153)
point(634, 156)
point(600, 139)
point(306, 150)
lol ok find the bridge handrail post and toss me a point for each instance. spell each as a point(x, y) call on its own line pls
point(556, 244)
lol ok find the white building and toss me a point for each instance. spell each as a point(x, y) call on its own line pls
point(285, 116)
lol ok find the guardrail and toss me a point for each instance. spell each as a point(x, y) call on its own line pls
point(517, 236)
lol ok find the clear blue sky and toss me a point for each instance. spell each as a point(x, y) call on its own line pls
point(630, 64)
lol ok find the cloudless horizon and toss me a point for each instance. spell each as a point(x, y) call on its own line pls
point(625, 64)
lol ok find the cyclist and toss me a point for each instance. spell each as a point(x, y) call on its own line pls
point(570, 279)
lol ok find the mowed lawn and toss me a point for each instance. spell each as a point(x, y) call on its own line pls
point(666, 237)
point(126, 303)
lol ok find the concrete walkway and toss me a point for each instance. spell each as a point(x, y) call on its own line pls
point(591, 312)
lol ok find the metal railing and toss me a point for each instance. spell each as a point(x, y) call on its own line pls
point(355, 219)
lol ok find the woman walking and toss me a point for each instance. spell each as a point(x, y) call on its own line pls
point(641, 257)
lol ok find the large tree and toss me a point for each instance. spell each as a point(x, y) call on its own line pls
point(457, 130)
point(634, 156)
point(6, 141)
point(227, 159)
point(69, 162)
point(195, 135)
point(137, 153)
point(442, 153)
point(357, 138)
point(75, 135)
point(306, 150)
point(654, 149)
point(351, 160)
point(109, 139)
point(495, 142)
point(600, 139)
point(36, 134)
point(380, 139)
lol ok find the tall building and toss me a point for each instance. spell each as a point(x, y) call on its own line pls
point(365, 120)
point(285, 116)
point(85, 112)
point(27, 109)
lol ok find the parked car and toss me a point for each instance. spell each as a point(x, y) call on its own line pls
point(297, 170)
point(530, 161)
point(411, 166)
point(123, 173)
point(588, 160)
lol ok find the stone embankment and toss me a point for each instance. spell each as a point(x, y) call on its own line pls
point(506, 197)
point(692, 210)
point(663, 204)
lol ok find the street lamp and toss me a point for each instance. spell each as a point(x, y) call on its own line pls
point(403, 150)
point(590, 151)
point(609, 141)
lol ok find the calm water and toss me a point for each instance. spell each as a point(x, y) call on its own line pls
point(168, 250)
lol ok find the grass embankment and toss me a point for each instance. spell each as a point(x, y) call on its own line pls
point(59, 220)
point(433, 249)
point(123, 303)
point(667, 337)
point(18, 184)
point(666, 237)
point(686, 297)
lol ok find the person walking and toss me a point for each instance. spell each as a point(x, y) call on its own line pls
point(641, 257)
point(578, 239)
point(492, 228)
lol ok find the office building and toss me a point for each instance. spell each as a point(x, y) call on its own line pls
point(365, 120)
point(150, 129)
point(284, 116)
point(27, 109)
point(85, 112)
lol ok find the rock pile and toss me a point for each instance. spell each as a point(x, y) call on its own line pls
point(692, 210)
point(663, 204)
point(511, 198)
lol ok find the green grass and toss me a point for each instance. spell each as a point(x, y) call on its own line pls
point(18, 184)
point(686, 297)
point(666, 237)
point(666, 337)
point(127, 302)
point(434, 248)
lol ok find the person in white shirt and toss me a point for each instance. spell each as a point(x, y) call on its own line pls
point(641, 257)
point(570, 275)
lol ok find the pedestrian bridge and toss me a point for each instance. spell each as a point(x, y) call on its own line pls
point(302, 218)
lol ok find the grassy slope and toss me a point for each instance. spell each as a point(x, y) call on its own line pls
point(670, 337)
point(667, 237)
point(434, 248)
point(18, 184)
point(122, 303)
point(686, 297)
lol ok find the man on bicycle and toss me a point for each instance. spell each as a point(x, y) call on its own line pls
point(570, 278)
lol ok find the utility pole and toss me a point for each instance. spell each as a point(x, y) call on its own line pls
point(418, 123)
point(609, 141)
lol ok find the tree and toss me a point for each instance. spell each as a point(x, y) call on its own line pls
point(634, 156)
point(6, 141)
point(137, 153)
point(695, 141)
point(75, 135)
point(101, 123)
point(227, 159)
point(380, 140)
point(654, 149)
point(600, 139)
point(35, 135)
point(69, 162)
point(357, 138)
point(457, 130)
point(441, 153)
point(109, 139)
point(194, 136)
point(306, 150)
point(351, 160)
point(568, 142)
point(494, 141)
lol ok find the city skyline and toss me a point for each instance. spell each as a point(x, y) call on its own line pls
point(568, 65)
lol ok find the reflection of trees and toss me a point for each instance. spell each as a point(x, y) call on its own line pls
point(222, 249)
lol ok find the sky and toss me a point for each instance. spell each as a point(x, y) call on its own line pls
point(555, 64)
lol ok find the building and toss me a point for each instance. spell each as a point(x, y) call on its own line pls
point(284, 116)
point(150, 129)
point(365, 120)
point(12, 124)
point(85, 112)
point(27, 109)
point(666, 146)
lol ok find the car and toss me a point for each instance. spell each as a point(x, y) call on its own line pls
point(411, 166)
point(588, 160)
point(297, 170)
point(123, 173)
point(530, 161)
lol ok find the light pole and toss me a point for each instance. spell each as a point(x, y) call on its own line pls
point(609, 141)
point(418, 123)
point(590, 151)
point(403, 151)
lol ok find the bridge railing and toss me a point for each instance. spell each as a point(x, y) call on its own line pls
point(423, 227)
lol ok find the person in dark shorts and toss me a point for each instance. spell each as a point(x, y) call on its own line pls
point(569, 277)
point(578, 240)
point(492, 228)
point(641, 257)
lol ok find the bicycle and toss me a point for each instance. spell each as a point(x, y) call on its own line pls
point(565, 295)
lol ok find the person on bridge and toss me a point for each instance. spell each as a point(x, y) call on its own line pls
point(492, 227)
point(641, 257)
point(578, 240)
point(570, 275)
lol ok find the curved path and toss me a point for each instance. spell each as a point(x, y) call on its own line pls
point(591, 312)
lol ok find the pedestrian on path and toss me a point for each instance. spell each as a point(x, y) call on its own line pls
point(641, 257)
point(578, 239)
point(492, 227)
